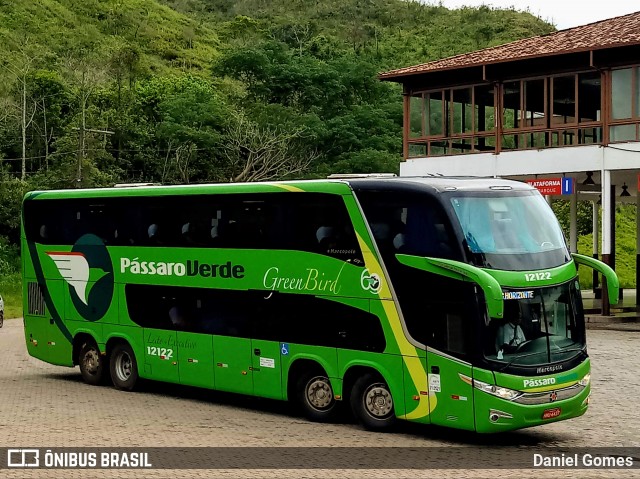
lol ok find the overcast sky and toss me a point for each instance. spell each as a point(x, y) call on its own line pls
point(562, 13)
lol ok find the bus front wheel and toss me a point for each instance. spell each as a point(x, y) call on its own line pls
point(123, 367)
point(315, 396)
point(372, 403)
point(91, 362)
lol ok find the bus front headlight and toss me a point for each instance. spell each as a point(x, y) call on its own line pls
point(584, 382)
point(502, 393)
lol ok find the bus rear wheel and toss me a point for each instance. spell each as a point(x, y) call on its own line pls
point(372, 403)
point(316, 398)
point(123, 367)
point(92, 363)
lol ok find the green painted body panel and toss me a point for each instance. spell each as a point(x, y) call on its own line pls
point(36, 331)
point(45, 339)
point(132, 334)
point(334, 187)
point(559, 380)
point(195, 359)
point(613, 284)
point(326, 357)
point(232, 359)
point(453, 397)
point(253, 366)
point(518, 279)
point(464, 272)
point(160, 355)
point(267, 368)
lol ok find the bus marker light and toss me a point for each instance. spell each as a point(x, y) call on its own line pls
point(551, 413)
point(244, 373)
point(338, 397)
point(51, 343)
point(416, 398)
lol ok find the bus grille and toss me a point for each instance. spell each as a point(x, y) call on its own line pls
point(35, 300)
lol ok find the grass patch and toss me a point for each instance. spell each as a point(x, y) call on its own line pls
point(11, 291)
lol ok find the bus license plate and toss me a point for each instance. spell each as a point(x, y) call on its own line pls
point(551, 413)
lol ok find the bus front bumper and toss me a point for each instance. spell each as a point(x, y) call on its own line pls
point(495, 415)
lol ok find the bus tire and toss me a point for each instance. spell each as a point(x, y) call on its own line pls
point(91, 362)
point(372, 403)
point(315, 397)
point(123, 367)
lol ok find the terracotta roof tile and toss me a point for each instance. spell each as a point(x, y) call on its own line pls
point(618, 31)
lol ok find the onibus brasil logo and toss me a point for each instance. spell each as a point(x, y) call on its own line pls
point(88, 271)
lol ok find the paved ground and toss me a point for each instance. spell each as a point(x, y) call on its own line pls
point(49, 406)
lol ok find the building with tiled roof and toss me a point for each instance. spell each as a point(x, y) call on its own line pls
point(561, 105)
point(594, 37)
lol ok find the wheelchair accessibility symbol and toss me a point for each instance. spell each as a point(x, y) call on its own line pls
point(284, 349)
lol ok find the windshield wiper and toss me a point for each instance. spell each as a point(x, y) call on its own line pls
point(560, 350)
point(540, 352)
point(518, 357)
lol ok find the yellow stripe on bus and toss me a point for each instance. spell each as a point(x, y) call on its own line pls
point(409, 354)
point(294, 189)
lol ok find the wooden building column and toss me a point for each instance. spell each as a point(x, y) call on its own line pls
point(406, 119)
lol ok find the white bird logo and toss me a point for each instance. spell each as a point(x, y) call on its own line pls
point(74, 268)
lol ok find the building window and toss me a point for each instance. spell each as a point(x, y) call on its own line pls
point(564, 100)
point(625, 104)
point(457, 120)
point(621, 81)
point(531, 113)
point(434, 113)
point(554, 111)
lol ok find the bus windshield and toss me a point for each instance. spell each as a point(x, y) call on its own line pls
point(540, 326)
point(516, 232)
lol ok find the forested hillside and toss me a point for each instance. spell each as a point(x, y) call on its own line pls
point(96, 92)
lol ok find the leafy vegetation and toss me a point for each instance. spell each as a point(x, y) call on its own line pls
point(180, 91)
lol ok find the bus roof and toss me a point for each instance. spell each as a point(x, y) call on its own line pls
point(332, 185)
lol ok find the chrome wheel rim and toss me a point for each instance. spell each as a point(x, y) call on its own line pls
point(123, 366)
point(378, 401)
point(319, 394)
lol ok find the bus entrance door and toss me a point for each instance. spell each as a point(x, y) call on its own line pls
point(161, 354)
point(232, 364)
point(267, 368)
point(453, 396)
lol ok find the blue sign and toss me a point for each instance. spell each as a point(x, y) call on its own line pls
point(284, 349)
point(567, 186)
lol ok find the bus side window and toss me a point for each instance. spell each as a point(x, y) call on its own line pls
point(321, 224)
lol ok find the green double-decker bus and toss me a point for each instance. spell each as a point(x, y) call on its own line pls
point(444, 301)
